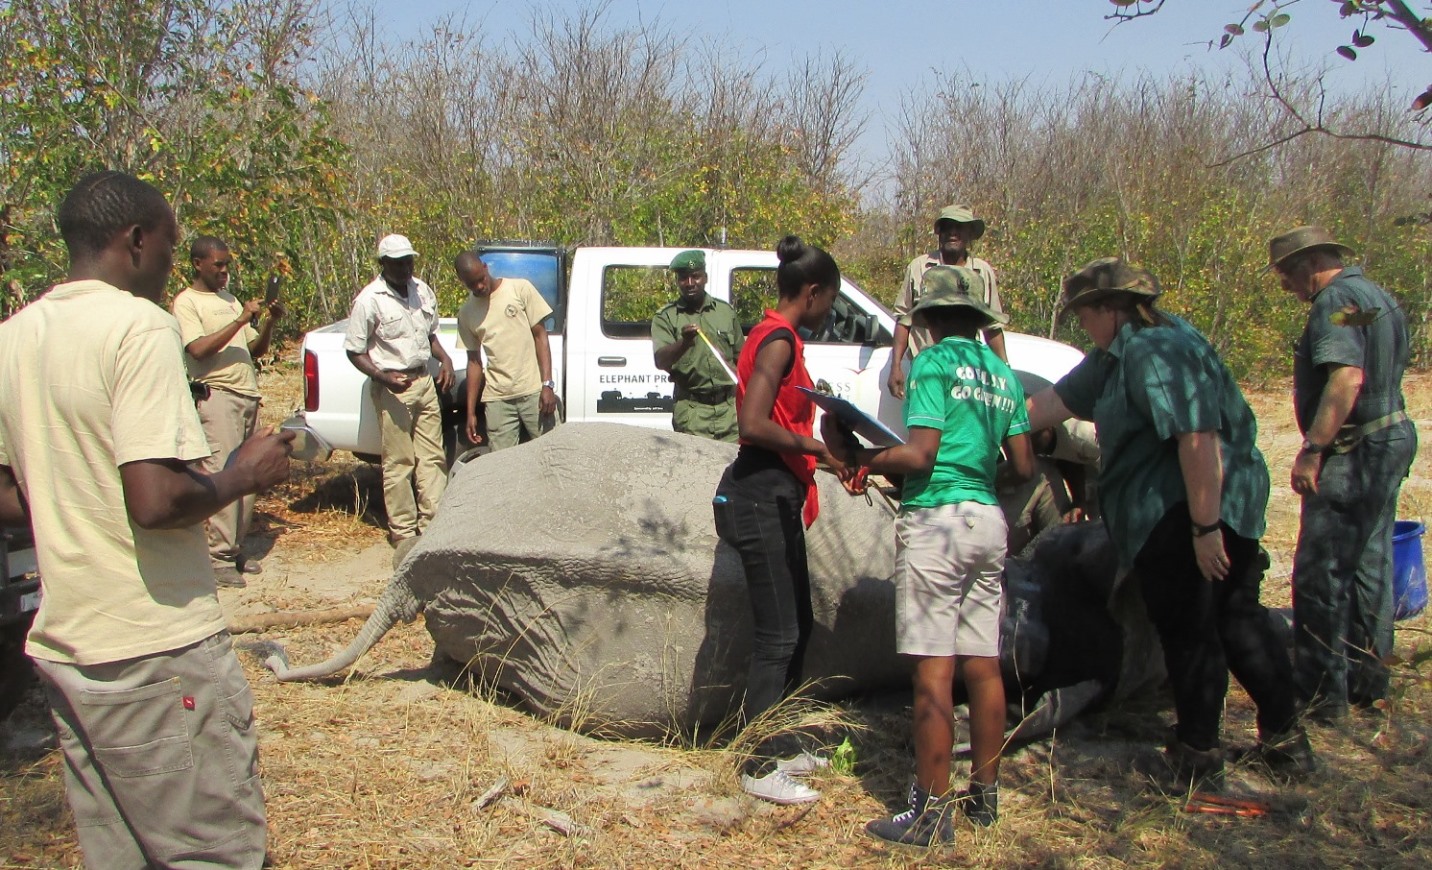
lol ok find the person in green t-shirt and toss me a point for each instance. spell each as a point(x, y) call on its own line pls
point(1184, 490)
point(687, 336)
point(962, 403)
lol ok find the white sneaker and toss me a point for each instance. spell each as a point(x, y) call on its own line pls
point(778, 787)
point(803, 764)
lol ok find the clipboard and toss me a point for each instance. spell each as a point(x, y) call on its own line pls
point(856, 420)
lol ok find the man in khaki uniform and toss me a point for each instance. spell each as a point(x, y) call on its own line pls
point(955, 229)
point(503, 319)
point(100, 456)
point(705, 391)
point(219, 350)
point(392, 333)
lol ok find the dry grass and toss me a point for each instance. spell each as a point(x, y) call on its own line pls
point(383, 769)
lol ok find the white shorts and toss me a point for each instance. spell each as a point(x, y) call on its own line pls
point(949, 561)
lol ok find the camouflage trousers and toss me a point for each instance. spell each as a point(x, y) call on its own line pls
point(1342, 573)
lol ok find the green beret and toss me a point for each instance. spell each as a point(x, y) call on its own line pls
point(689, 261)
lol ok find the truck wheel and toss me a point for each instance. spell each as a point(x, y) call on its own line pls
point(17, 674)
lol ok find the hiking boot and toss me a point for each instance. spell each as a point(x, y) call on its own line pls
point(778, 787)
point(926, 823)
point(1288, 754)
point(1194, 767)
point(980, 803)
point(229, 577)
point(803, 764)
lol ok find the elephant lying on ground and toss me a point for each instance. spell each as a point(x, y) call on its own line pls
point(581, 572)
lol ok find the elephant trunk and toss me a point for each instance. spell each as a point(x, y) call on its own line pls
point(396, 603)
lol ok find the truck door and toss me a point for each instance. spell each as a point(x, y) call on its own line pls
point(851, 352)
point(611, 373)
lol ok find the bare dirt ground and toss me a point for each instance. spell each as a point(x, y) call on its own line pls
point(389, 767)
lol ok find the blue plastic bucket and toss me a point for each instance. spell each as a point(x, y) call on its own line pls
point(1409, 571)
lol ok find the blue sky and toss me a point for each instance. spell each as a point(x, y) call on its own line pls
point(899, 42)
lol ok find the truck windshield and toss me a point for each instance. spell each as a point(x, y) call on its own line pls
point(542, 267)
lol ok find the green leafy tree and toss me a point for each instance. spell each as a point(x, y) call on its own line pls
point(201, 97)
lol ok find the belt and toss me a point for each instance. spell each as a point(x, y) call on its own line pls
point(1348, 436)
point(706, 397)
point(412, 371)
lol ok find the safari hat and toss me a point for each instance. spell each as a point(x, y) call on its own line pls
point(948, 286)
point(395, 247)
point(1300, 239)
point(1103, 278)
point(689, 261)
point(960, 214)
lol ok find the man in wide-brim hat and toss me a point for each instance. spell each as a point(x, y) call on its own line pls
point(1357, 447)
point(956, 227)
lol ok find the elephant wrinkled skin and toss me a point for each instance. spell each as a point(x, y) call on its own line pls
point(581, 572)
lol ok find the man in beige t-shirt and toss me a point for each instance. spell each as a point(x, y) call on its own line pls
point(99, 446)
point(219, 350)
point(503, 320)
point(955, 228)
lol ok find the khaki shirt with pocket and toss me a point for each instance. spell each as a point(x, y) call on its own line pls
point(912, 289)
point(202, 313)
point(394, 329)
point(92, 378)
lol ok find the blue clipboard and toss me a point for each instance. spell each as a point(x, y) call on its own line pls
point(856, 420)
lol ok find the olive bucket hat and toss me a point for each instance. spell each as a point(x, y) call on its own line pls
point(946, 286)
point(1105, 277)
point(1300, 239)
point(960, 214)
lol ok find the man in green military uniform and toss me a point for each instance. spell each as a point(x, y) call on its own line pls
point(688, 335)
point(1358, 445)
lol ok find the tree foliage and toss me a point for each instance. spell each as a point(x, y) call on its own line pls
point(586, 132)
point(1267, 17)
point(1109, 167)
point(200, 97)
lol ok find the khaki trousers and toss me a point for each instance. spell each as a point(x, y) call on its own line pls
point(228, 419)
point(161, 758)
point(414, 467)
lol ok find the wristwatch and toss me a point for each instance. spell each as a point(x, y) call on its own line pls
point(550, 384)
point(1201, 530)
point(1313, 447)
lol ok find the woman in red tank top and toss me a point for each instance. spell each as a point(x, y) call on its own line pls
point(767, 498)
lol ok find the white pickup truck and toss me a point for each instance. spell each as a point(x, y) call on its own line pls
point(602, 302)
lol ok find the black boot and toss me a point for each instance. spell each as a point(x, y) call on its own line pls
point(1287, 755)
point(1194, 768)
point(980, 803)
point(925, 823)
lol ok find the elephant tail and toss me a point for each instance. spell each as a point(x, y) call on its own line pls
point(397, 603)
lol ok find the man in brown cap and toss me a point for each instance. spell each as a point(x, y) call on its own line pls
point(955, 229)
point(1357, 447)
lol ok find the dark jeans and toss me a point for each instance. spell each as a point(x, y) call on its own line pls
point(1210, 628)
point(1342, 573)
point(758, 512)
